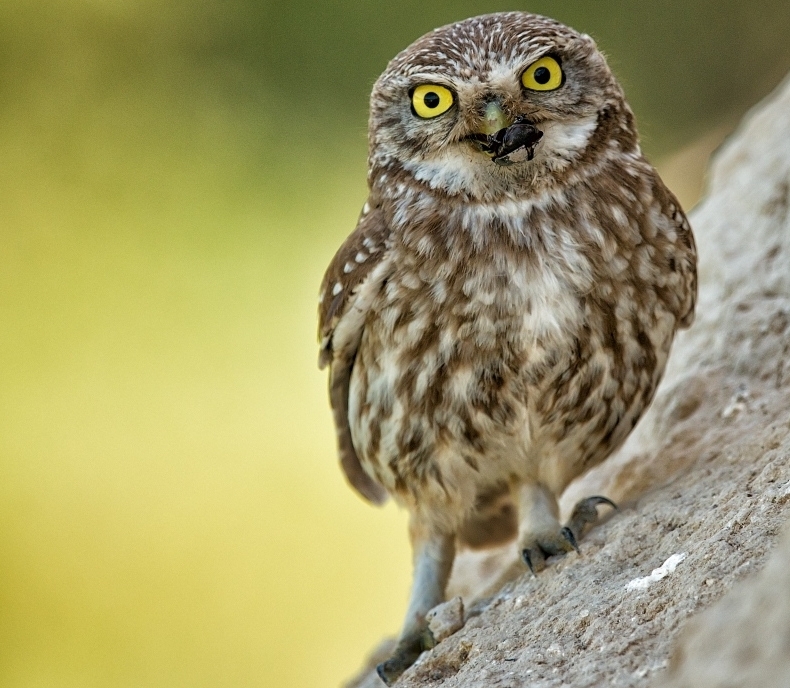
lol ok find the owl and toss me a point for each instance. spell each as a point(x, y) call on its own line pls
point(500, 317)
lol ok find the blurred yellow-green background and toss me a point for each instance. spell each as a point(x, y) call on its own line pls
point(174, 176)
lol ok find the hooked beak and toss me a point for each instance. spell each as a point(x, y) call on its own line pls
point(505, 140)
point(495, 118)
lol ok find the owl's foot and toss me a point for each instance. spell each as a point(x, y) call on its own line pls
point(534, 552)
point(406, 653)
point(542, 535)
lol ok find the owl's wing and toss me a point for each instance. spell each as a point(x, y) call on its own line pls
point(682, 256)
point(688, 267)
point(355, 276)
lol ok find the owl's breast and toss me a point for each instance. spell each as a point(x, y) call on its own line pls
point(504, 349)
point(440, 391)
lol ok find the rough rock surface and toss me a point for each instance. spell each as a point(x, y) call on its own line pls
point(703, 483)
point(742, 641)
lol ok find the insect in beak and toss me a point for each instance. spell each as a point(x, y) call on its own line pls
point(506, 141)
point(511, 144)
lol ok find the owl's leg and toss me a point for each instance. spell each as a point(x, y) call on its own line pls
point(433, 559)
point(540, 533)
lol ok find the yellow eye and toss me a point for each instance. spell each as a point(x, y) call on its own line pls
point(543, 75)
point(430, 100)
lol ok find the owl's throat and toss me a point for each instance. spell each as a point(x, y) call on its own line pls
point(512, 144)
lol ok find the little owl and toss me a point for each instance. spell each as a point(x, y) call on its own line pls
point(500, 317)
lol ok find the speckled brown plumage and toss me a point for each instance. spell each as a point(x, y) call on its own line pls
point(498, 329)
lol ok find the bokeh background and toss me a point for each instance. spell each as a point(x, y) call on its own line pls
point(174, 177)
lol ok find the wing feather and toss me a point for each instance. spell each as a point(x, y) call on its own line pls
point(354, 278)
point(683, 254)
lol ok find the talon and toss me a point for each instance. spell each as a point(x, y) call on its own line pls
point(567, 533)
point(528, 560)
point(599, 499)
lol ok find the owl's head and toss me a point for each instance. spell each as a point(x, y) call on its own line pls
point(497, 106)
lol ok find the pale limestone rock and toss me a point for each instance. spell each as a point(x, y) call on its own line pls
point(445, 619)
point(742, 641)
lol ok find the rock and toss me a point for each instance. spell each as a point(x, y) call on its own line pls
point(706, 474)
point(742, 641)
point(445, 619)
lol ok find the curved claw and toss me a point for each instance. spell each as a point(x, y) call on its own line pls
point(567, 533)
point(528, 560)
point(599, 499)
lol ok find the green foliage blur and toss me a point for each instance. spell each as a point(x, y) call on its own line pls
point(175, 175)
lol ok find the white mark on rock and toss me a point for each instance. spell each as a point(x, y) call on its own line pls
point(661, 572)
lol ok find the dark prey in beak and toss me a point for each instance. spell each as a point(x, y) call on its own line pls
point(512, 144)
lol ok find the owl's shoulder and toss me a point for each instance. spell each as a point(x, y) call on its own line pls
point(361, 256)
point(646, 239)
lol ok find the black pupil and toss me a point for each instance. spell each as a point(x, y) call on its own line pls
point(431, 100)
point(542, 75)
